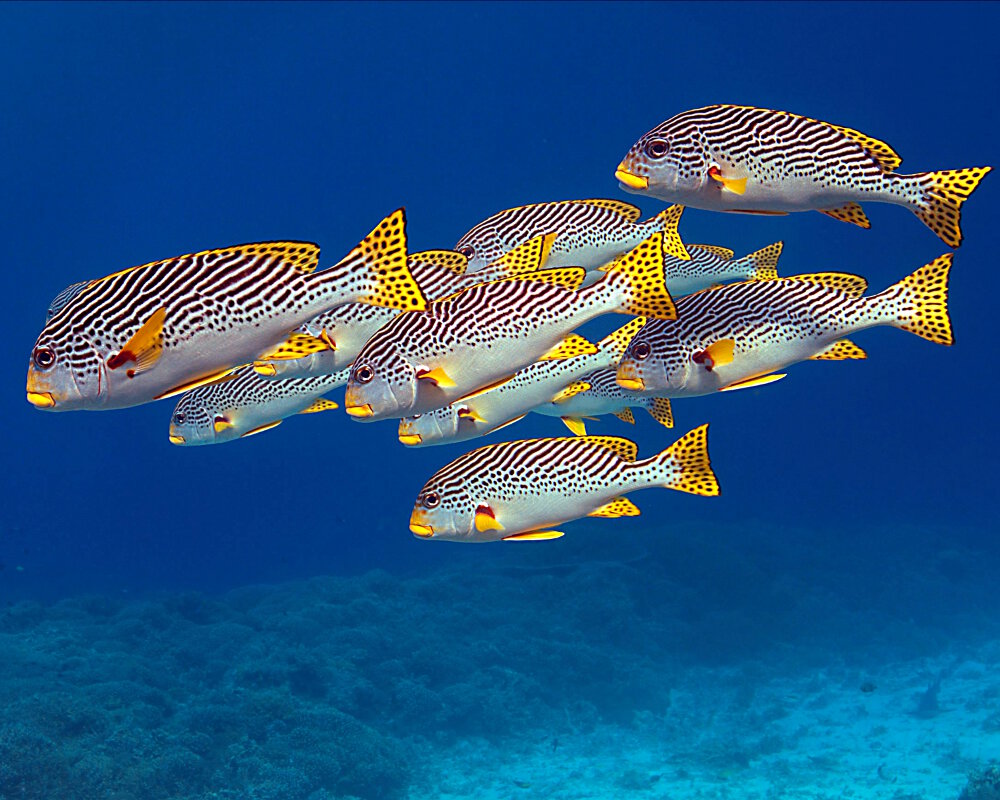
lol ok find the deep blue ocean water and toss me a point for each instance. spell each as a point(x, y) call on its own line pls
point(858, 514)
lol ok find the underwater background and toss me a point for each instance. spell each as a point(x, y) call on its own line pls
point(254, 620)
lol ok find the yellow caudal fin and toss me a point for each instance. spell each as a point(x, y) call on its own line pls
point(641, 272)
point(685, 465)
point(659, 409)
point(942, 195)
point(378, 267)
point(919, 302)
point(666, 222)
point(762, 265)
point(617, 342)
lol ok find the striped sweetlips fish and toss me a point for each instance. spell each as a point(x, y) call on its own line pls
point(244, 403)
point(710, 265)
point(759, 161)
point(552, 380)
point(330, 341)
point(519, 490)
point(161, 328)
point(577, 233)
point(424, 360)
point(736, 336)
point(602, 395)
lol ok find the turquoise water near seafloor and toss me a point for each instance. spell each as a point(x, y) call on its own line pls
point(254, 620)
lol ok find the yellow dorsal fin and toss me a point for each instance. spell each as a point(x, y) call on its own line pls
point(660, 410)
point(851, 285)
point(840, 350)
point(619, 340)
point(143, 348)
point(625, 448)
point(261, 428)
point(447, 259)
point(849, 212)
point(571, 391)
point(575, 424)
point(721, 252)
point(437, 376)
point(886, 157)
point(568, 278)
point(619, 507)
point(749, 383)
point(625, 415)
point(528, 256)
point(533, 536)
point(320, 404)
point(212, 377)
point(627, 210)
point(297, 345)
point(572, 346)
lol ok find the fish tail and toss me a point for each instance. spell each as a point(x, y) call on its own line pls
point(940, 198)
point(685, 465)
point(375, 271)
point(762, 265)
point(659, 408)
point(666, 222)
point(919, 302)
point(640, 281)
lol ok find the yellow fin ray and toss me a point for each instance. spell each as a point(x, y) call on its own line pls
point(749, 383)
point(576, 425)
point(261, 428)
point(619, 507)
point(533, 536)
point(143, 348)
point(840, 350)
point(849, 212)
point(572, 346)
point(320, 404)
point(625, 415)
point(212, 377)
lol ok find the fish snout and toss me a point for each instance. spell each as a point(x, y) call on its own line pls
point(419, 526)
point(361, 411)
point(41, 399)
point(627, 376)
point(410, 438)
point(629, 179)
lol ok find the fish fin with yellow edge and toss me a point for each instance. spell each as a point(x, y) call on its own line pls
point(851, 285)
point(750, 383)
point(468, 413)
point(450, 260)
point(884, 156)
point(619, 507)
point(569, 278)
point(942, 196)
point(734, 185)
point(625, 448)
point(919, 302)
point(758, 211)
point(518, 418)
point(298, 345)
point(486, 519)
point(641, 275)
point(533, 536)
point(572, 346)
point(660, 409)
point(849, 212)
point(484, 389)
point(575, 424)
point(715, 250)
point(762, 265)
point(625, 415)
point(144, 347)
point(840, 350)
point(529, 256)
point(320, 404)
point(717, 354)
point(220, 424)
point(666, 222)
point(261, 428)
point(627, 210)
point(378, 267)
point(575, 388)
point(437, 376)
point(685, 465)
point(617, 341)
point(213, 377)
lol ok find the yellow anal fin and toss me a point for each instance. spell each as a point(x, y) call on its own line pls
point(221, 375)
point(840, 350)
point(298, 345)
point(448, 259)
point(721, 252)
point(575, 424)
point(627, 210)
point(849, 212)
point(575, 388)
point(320, 404)
point(851, 285)
point(660, 410)
point(885, 156)
point(570, 347)
point(144, 347)
point(619, 507)
point(625, 415)
point(533, 536)
point(749, 383)
point(261, 428)
point(529, 256)
point(437, 376)
point(510, 422)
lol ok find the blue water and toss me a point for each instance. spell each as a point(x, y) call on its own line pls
point(857, 525)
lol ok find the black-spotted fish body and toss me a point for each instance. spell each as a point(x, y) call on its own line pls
point(756, 160)
point(61, 300)
point(581, 233)
point(738, 335)
point(428, 359)
point(601, 396)
point(520, 490)
point(160, 328)
point(538, 383)
point(710, 265)
point(244, 404)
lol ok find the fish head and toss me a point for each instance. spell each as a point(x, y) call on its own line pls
point(672, 160)
point(444, 513)
point(65, 371)
point(433, 427)
point(199, 418)
point(483, 245)
point(380, 388)
point(652, 361)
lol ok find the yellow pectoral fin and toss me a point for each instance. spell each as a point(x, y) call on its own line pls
point(721, 352)
point(261, 428)
point(144, 347)
point(221, 424)
point(321, 404)
point(533, 536)
point(437, 376)
point(575, 424)
point(734, 185)
point(487, 522)
point(468, 413)
point(749, 383)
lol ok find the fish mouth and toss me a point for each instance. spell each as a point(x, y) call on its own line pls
point(264, 368)
point(41, 399)
point(360, 411)
point(410, 438)
point(633, 383)
point(423, 531)
point(176, 438)
point(628, 179)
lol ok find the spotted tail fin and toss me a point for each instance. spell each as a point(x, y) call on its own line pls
point(942, 195)
point(761, 265)
point(685, 465)
point(666, 222)
point(919, 302)
point(639, 278)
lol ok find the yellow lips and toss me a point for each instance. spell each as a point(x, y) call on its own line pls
point(41, 399)
point(177, 439)
point(410, 438)
point(421, 530)
point(359, 411)
point(635, 384)
point(264, 368)
point(630, 180)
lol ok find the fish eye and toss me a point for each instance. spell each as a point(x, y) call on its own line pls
point(657, 148)
point(44, 357)
point(431, 500)
point(363, 373)
point(468, 251)
point(178, 418)
point(641, 350)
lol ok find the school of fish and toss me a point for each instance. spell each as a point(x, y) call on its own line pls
point(455, 344)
